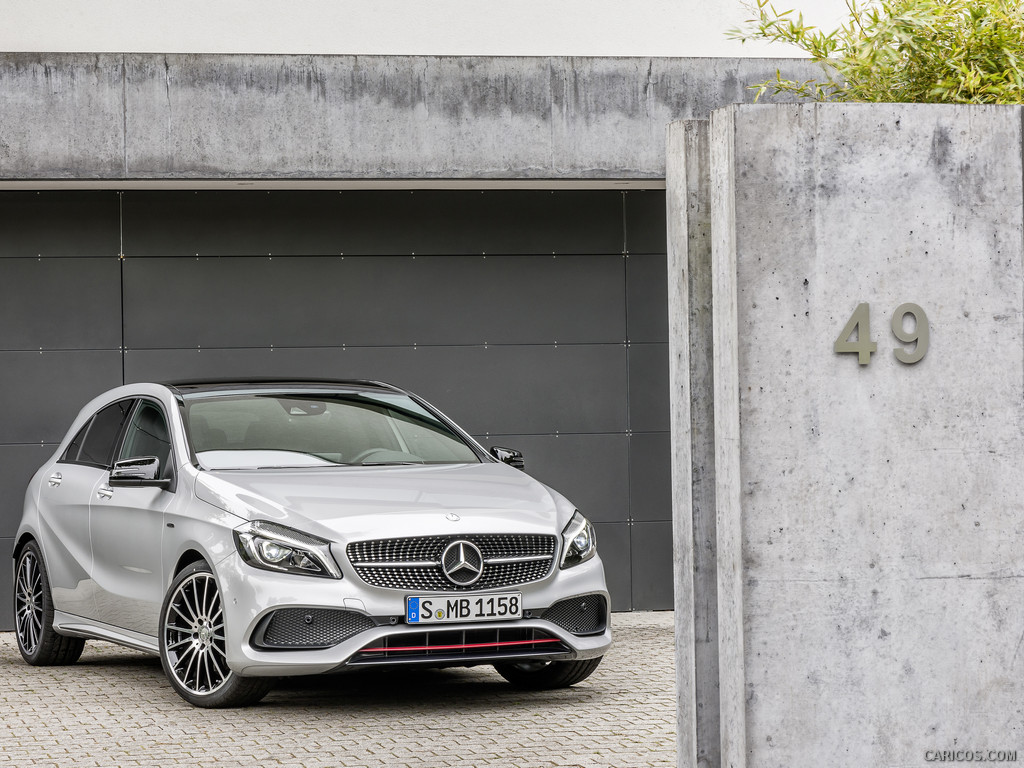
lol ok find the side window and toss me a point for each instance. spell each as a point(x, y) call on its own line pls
point(71, 454)
point(147, 435)
point(101, 435)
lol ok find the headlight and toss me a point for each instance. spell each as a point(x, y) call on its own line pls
point(274, 547)
point(579, 543)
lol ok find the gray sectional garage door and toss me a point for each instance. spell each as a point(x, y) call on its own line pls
point(536, 319)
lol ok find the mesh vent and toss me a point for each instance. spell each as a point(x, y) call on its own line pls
point(309, 628)
point(579, 615)
point(428, 549)
point(459, 644)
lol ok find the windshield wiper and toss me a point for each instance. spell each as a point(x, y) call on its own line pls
point(389, 463)
point(303, 466)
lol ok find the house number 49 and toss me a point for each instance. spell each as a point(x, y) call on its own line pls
point(860, 324)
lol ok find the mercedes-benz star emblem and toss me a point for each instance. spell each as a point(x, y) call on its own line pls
point(462, 563)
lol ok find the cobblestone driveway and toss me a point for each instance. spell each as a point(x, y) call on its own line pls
point(114, 708)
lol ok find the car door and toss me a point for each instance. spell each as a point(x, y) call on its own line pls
point(67, 489)
point(126, 527)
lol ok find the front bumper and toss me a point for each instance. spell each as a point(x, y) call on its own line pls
point(383, 638)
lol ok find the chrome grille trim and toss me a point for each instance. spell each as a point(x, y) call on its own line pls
point(503, 560)
point(414, 563)
point(429, 563)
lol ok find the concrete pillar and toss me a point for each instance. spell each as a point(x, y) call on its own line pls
point(728, 512)
point(679, 387)
point(868, 475)
point(692, 423)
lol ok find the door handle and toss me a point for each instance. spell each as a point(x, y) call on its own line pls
point(105, 491)
point(55, 479)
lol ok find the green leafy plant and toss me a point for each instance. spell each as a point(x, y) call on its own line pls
point(939, 51)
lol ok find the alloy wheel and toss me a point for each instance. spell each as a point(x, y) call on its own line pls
point(28, 602)
point(193, 630)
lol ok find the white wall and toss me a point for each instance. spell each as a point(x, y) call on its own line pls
point(419, 27)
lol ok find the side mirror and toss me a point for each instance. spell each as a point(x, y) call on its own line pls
point(510, 456)
point(133, 473)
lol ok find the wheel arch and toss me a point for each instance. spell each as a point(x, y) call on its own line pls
point(186, 559)
point(21, 541)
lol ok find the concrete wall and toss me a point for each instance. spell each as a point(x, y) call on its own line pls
point(867, 517)
point(191, 118)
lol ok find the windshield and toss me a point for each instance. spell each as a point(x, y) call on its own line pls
point(322, 429)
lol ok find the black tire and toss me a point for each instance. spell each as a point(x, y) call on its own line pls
point(40, 644)
point(545, 675)
point(193, 645)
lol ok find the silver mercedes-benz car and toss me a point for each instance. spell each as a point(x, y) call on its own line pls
point(249, 530)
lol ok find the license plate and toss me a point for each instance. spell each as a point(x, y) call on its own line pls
point(444, 609)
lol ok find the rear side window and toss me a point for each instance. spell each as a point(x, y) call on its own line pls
point(71, 454)
point(95, 443)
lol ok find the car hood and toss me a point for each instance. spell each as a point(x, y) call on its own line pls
point(351, 503)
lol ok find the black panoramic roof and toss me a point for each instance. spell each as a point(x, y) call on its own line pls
point(195, 386)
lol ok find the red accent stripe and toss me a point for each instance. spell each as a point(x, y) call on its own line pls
point(458, 647)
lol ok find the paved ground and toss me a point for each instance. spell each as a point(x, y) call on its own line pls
point(114, 708)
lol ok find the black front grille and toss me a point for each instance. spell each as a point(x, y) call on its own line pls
point(457, 645)
point(586, 615)
point(309, 628)
point(415, 563)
